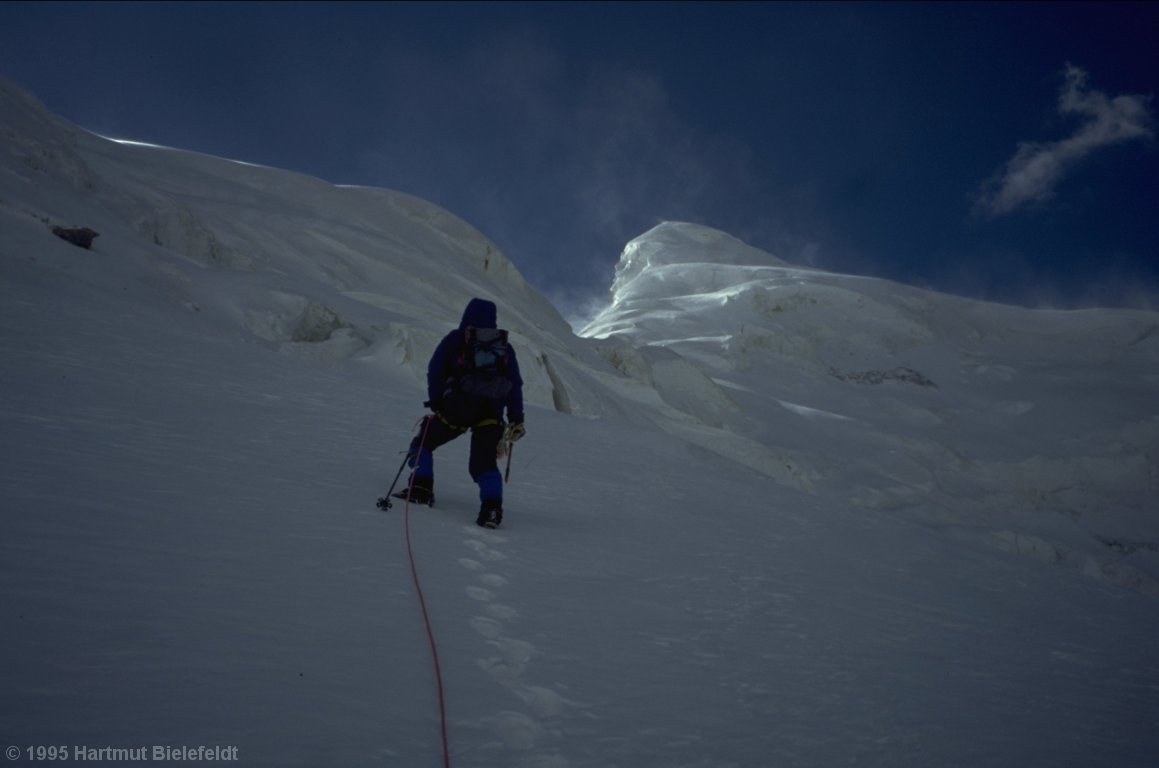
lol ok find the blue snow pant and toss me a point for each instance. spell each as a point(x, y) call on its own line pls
point(482, 465)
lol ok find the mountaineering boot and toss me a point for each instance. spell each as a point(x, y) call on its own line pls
point(421, 491)
point(490, 513)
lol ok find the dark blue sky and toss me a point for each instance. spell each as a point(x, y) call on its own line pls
point(1005, 150)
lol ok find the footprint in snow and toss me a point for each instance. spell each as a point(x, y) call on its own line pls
point(486, 627)
point(492, 579)
point(480, 594)
point(483, 551)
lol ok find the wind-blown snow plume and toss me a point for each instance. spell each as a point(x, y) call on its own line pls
point(1037, 168)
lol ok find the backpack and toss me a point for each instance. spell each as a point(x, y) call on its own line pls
point(481, 366)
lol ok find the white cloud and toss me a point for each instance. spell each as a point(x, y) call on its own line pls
point(1036, 168)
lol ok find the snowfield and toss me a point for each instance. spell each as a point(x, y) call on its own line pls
point(764, 515)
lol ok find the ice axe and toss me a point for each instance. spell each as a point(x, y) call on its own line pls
point(506, 446)
point(510, 450)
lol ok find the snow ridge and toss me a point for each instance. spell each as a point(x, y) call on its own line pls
point(954, 410)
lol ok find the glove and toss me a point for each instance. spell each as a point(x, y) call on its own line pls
point(516, 431)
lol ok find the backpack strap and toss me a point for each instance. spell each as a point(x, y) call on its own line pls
point(466, 342)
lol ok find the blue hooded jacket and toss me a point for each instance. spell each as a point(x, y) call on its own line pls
point(479, 313)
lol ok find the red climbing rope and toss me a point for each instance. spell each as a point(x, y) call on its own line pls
point(426, 617)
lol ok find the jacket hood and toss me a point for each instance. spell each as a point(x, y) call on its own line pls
point(480, 313)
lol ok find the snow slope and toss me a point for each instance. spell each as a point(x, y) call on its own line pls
point(775, 517)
